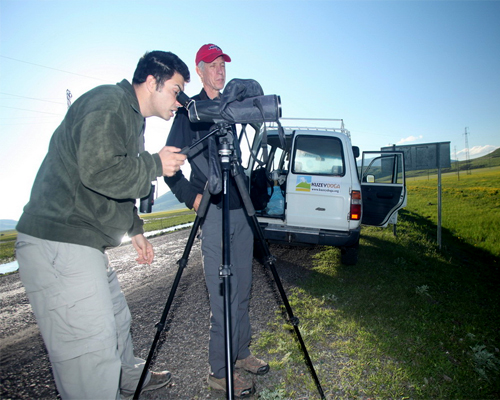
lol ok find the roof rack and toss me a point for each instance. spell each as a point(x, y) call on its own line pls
point(340, 128)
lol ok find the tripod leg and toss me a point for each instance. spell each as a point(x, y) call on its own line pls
point(225, 273)
point(269, 262)
point(182, 264)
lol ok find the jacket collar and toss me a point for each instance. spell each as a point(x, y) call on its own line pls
point(204, 96)
point(129, 90)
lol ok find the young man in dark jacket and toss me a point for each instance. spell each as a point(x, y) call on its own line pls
point(82, 202)
point(210, 66)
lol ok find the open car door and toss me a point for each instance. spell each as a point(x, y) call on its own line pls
point(383, 187)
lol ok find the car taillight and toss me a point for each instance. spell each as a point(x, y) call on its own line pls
point(355, 213)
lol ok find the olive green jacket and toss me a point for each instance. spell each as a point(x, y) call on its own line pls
point(95, 168)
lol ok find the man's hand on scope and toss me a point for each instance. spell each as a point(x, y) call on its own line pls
point(171, 160)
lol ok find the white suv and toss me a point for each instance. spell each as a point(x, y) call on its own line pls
point(310, 191)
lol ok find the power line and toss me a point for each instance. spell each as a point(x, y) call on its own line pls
point(55, 69)
point(29, 123)
point(24, 117)
point(31, 98)
point(23, 109)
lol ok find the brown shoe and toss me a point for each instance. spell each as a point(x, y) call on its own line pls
point(253, 364)
point(241, 387)
point(157, 380)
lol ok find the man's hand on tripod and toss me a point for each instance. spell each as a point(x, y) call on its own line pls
point(171, 160)
point(144, 249)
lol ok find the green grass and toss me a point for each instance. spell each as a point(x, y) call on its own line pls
point(470, 205)
point(410, 320)
point(7, 243)
point(167, 219)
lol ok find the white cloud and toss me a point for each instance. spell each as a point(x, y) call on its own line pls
point(476, 151)
point(410, 139)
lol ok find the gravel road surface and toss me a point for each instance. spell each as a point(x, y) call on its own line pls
point(183, 348)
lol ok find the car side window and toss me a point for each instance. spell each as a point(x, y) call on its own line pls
point(387, 169)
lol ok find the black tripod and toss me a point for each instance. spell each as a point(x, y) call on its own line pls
point(229, 163)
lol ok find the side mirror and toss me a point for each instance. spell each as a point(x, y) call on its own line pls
point(355, 151)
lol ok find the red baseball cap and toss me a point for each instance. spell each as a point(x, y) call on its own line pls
point(209, 52)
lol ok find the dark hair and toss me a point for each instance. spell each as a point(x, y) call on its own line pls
point(162, 65)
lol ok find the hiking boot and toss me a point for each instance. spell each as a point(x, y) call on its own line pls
point(157, 380)
point(241, 387)
point(253, 364)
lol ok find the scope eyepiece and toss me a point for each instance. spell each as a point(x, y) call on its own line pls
point(184, 99)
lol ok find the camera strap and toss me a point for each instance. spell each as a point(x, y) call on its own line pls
point(209, 168)
point(215, 173)
point(196, 156)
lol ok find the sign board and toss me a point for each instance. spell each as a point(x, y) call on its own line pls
point(427, 156)
point(424, 156)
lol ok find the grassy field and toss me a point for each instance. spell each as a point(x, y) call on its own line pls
point(409, 321)
point(152, 222)
point(167, 219)
point(7, 242)
point(470, 205)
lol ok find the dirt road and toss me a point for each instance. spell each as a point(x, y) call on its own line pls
point(24, 366)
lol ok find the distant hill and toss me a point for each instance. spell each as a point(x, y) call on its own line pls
point(488, 161)
point(167, 202)
point(7, 224)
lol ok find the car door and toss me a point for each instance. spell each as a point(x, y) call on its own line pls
point(318, 182)
point(383, 186)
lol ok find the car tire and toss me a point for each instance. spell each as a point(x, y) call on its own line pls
point(349, 254)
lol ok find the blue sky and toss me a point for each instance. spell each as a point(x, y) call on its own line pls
point(397, 72)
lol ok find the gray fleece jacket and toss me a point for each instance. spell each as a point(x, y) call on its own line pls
point(85, 189)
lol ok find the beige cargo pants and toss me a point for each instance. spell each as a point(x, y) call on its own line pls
point(83, 317)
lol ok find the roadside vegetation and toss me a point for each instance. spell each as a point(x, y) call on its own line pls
point(7, 242)
point(410, 320)
point(152, 222)
point(167, 219)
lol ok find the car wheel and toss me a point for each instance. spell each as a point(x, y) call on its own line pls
point(349, 254)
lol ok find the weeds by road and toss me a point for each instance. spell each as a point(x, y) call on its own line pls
point(410, 320)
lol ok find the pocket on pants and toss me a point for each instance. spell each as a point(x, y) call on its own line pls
point(79, 322)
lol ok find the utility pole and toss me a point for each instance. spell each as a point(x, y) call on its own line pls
point(68, 97)
point(467, 157)
point(456, 161)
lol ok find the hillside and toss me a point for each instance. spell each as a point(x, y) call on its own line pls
point(488, 161)
point(7, 224)
point(167, 202)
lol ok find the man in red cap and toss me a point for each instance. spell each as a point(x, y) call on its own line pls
point(211, 67)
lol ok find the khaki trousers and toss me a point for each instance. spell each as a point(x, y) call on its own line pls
point(83, 317)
